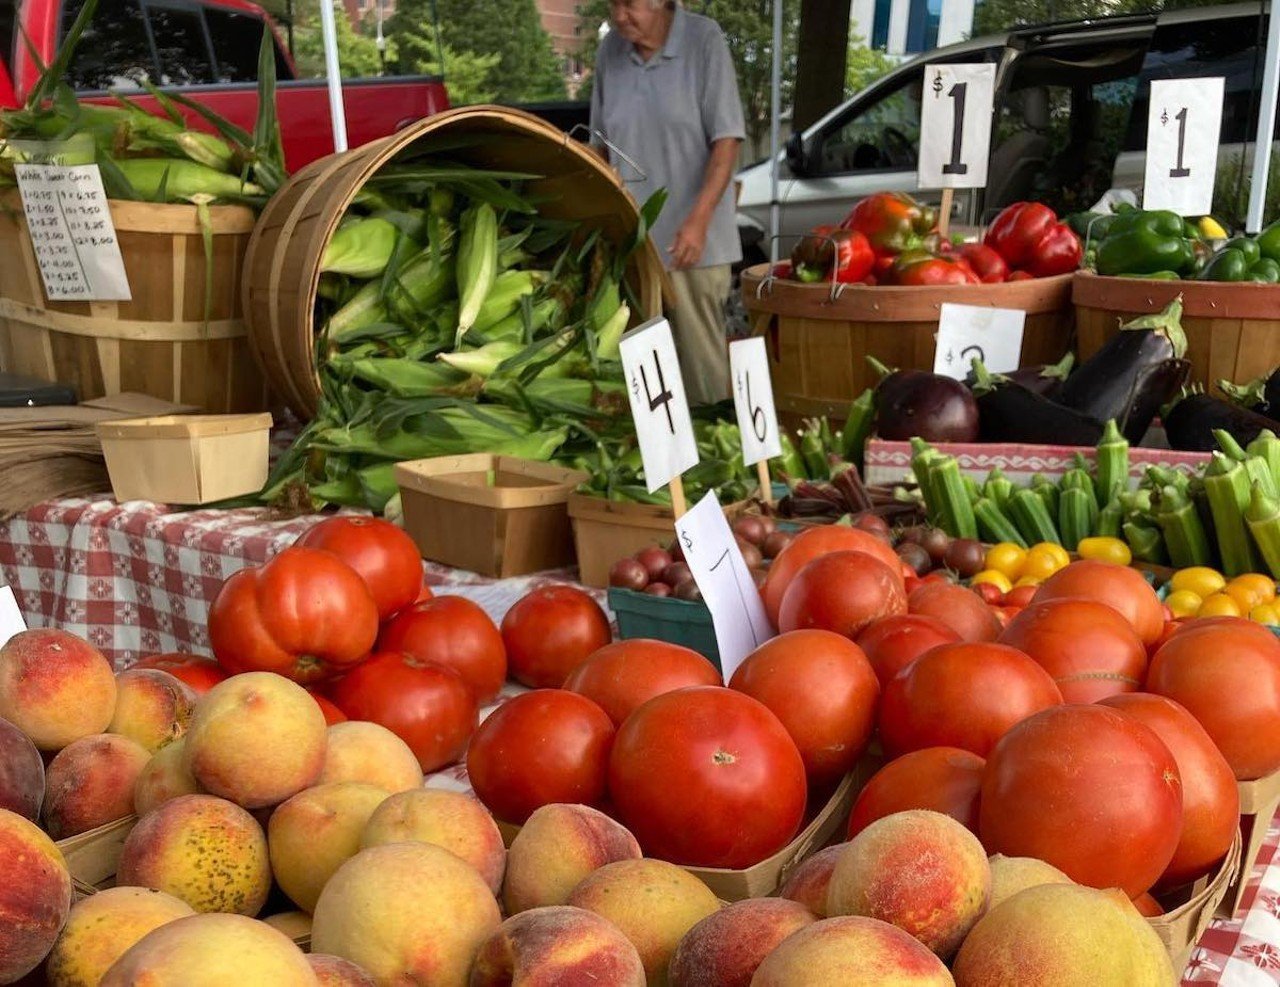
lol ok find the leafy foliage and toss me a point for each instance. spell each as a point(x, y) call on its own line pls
point(357, 49)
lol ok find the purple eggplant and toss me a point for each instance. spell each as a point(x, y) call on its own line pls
point(930, 406)
point(1112, 381)
point(1271, 394)
point(1153, 390)
point(1046, 379)
point(1190, 423)
point(1009, 412)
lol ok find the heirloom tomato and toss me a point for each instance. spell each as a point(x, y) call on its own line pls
point(1123, 589)
point(454, 632)
point(200, 673)
point(811, 543)
point(892, 643)
point(385, 556)
point(550, 632)
point(842, 592)
point(961, 609)
point(623, 675)
point(943, 779)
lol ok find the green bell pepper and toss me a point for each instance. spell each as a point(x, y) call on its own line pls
point(1265, 271)
point(1153, 275)
point(1236, 261)
point(1268, 241)
point(1162, 221)
point(1141, 242)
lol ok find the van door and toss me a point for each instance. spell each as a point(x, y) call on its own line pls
point(1203, 42)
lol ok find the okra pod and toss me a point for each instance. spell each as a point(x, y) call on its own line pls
point(954, 508)
point(1032, 518)
point(1226, 484)
point(857, 426)
point(791, 465)
point(1263, 518)
point(1184, 536)
point(1257, 469)
point(993, 525)
point(1267, 448)
point(1076, 512)
point(1113, 463)
point(971, 488)
point(1047, 491)
point(998, 487)
point(1110, 520)
point(1145, 542)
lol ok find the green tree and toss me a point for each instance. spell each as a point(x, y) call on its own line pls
point(527, 69)
point(992, 16)
point(469, 76)
point(357, 50)
point(748, 29)
point(864, 65)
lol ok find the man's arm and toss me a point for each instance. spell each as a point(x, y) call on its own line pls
point(691, 239)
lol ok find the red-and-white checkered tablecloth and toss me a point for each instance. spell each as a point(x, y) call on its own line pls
point(138, 579)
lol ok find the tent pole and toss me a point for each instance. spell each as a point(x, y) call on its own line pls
point(1266, 127)
point(333, 74)
point(775, 124)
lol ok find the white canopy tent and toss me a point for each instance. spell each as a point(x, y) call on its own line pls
point(1266, 127)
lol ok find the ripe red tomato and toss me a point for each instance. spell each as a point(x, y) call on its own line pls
point(306, 615)
point(200, 673)
point(454, 632)
point(1226, 672)
point(989, 593)
point(959, 608)
point(1119, 587)
point(707, 777)
point(1020, 596)
point(550, 632)
point(1087, 789)
point(331, 712)
point(1210, 799)
point(823, 690)
point(384, 555)
point(962, 695)
point(537, 748)
point(1090, 650)
point(944, 779)
point(623, 675)
point(892, 643)
point(841, 592)
point(807, 546)
point(428, 706)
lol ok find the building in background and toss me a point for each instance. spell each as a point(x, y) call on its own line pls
point(909, 27)
point(562, 19)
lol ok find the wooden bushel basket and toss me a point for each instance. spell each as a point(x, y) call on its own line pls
point(282, 267)
point(159, 343)
point(818, 347)
point(1233, 329)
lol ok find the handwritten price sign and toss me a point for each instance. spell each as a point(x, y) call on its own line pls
point(955, 126)
point(659, 408)
point(1183, 126)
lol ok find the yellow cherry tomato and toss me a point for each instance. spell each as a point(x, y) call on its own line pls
point(1219, 605)
point(1055, 552)
point(1008, 558)
point(1028, 581)
point(1183, 603)
point(1044, 560)
point(1199, 579)
point(1104, 550)
point(1266, 614)
point(995, 577)
point(1252, 586)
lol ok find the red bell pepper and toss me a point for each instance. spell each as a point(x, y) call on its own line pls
point(1030, 238)
point(892, 222)
point(986, 263)
point(919, 268)
point(825, 246)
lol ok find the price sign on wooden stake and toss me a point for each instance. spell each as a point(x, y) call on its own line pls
point(659, 408)
point(1183, 125)
point(955, 125)
point(753, 400)
point(975, 332)
point(721, 573)
point(11, 621)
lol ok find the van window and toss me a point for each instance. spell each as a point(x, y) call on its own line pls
point(884, 135)
point(114, 51)
point(1223, 46)
point(8, 15)
point(181, 46)
point(236, 39)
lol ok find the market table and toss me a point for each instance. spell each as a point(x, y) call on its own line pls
point(138, 578)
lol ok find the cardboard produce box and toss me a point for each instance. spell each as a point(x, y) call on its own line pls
point(1182, 925)
point(496, 515)
point(1259, 801)
point(93, 856)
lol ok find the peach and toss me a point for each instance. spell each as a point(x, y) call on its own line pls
point(406, 913)
point(555, 850)
point(315, 832)
point(21, 773)
point(457, 822)
point(35, 895)
point(153, 707)
point(726, 948)
point(205, 850)
point(102, 926)
point(853, 952)
point(256, 739)
point(1064, 933)
point(653, 902)
point(334, 971)
point(357, 750)
point(164, 777)
point(55, 687)
point(295, 924)
point(1009, 875)
point(212, 951)
point(554, 945)
point(809, 882)
point(91, 783)
point(919, 870)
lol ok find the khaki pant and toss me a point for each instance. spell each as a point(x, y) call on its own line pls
point(698, 324)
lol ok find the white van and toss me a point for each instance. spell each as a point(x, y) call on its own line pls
point(1070, 121)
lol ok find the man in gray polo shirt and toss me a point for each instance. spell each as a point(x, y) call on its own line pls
point(665, 94)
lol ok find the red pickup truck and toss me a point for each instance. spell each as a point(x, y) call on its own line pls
point(209, 50)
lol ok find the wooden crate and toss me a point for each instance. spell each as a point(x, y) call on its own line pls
point(496, 515)
point(282, 266)
point(1233, 330)
point(160, 342)
point(818, 347)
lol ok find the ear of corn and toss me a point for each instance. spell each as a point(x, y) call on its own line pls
point(361, 249)
point(181, 179)
point(484, 361)
point(610, 334)
point(504, 297)
point(477, 262)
